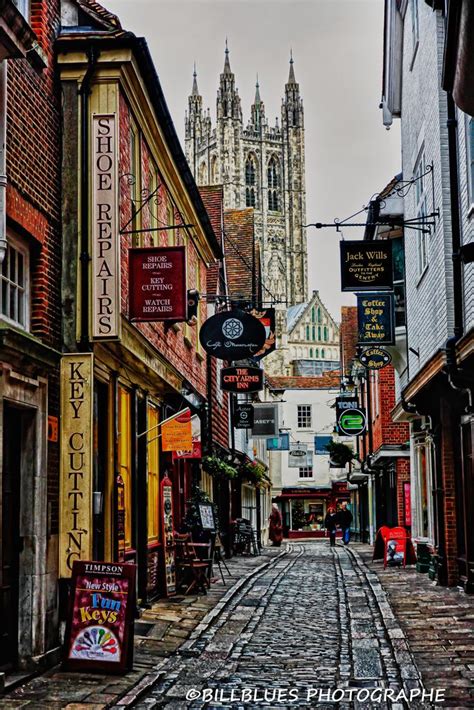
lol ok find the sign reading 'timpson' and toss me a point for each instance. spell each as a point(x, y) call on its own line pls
point(232, 335)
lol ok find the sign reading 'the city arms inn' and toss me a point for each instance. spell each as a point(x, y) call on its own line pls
point(366, 266)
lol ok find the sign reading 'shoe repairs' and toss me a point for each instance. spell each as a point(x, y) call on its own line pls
point(158, 284)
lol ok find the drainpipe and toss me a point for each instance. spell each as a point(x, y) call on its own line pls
point(84, 92)
point(3, 159)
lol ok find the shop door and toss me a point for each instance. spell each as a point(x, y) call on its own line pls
point(10, 543)
point(101, 437)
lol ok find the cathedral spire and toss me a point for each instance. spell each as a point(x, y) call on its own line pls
point(195, 90)
point(257, 93)
point(291, 77)
point(227, 69)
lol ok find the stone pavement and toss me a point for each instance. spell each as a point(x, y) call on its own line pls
point(439, 625)
point(160, 631)
point(297, 624)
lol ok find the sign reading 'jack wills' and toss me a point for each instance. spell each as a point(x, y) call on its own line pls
point(75, 515)
point(366, 266)
point(157, 283)
point(232, 335)
point(375, 318)
point(105, 235)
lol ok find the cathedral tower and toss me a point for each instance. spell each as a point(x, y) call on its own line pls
point(260, 166)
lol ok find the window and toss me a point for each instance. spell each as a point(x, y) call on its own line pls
point(23, 7)
point(214, 177)
point(314, 332)
point(304, 416)
point(470, 159)
point(153, 476)
point(319, 332)
point(311, 352)
point(135, 182)
point(125, 460)
point(250, 181)
point(323, 353)
point(415, 24)
point(313, 314)
point(306, 471)
point(325, 334)
point(307, 332)
point(273, 184)
point(420, 193)
point(398, 253)
point(15, 278)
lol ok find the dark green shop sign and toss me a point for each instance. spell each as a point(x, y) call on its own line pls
point(366, 266)
point(375, 319)
point(375, 358)
point(352, 422)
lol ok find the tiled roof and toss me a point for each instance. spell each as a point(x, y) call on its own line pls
point(293, 313)
point(213, 199)
point(328, 380)
point(239, 252)
point(100, 14)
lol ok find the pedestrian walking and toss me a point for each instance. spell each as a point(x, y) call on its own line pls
point(276, 526)
point(344, 520)
point(330, 523)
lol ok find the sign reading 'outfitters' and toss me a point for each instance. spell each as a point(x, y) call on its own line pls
point(105, 235)
point(366, 266)
point(158, 283)
point(76, 461)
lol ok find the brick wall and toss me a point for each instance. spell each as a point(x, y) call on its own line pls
point(180, 346)
point(33, 197)
point(348, 337)
point(384, 429)
point(403, 476)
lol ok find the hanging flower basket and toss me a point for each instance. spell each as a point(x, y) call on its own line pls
point(217, 468)
point(340, 453)
point(253, 472)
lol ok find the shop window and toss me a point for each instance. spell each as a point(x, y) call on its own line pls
point(125, 459)
point(15, 284)
point(153, 476)
point(304, 416)
point(398, 252)
point(306, 471)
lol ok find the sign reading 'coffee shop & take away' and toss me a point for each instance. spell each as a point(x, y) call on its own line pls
point(375, 319)
point(366, 266)
point(232, 335)
point(157, 284)
point(75, 514)
point(105, 232)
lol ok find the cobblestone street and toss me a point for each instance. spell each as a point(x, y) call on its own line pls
point(317, 619)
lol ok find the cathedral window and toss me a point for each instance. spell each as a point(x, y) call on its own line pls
point(319, 332)
point(250, 172)
point(250, 197)
point(214, 178)
point(273, 176)
point(323, 354)
point(307, 333)
point(325, 334)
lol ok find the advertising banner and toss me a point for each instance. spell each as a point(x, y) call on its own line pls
point(207, 517)
point(267, 319)
point(157, 284)
point(169, 545)
point(366, 266)
point(265, 421)
point(176, 432)
point(342, 404)
point(243, 416)
point(375, 319)
point(105, 228)
point(75, 511)
point(352, 422)
point(297, 455)
point(241, 379)
point(320, 442)
point(99, 628)
point(232, 335)
point(279, 443)
point(196, 450)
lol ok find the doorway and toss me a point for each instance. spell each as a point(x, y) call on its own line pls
point(11, 540)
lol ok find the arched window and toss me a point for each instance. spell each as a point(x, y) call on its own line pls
point(202, 174)
point(313, 314)
point(311, 352)
point(319, 332)
point(325, 334)
point(314, 332)
point(214, 178)
point(250, 171)
point(323, 355)
point(319, 316)
point(307, 333)
point(250, 197)
point(316, 353)
point(273, 178)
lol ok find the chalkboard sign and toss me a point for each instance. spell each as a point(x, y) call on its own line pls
point(207, 517)
point(99, 628)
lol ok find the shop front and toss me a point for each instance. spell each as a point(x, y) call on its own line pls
point(304, 512)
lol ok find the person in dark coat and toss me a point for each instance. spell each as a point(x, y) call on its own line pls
point(276, 526)
point(330, 523)
point(344, 520)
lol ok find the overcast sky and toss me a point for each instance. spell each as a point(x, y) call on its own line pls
point(337, 50)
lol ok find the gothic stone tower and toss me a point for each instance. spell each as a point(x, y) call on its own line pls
point(263, 167)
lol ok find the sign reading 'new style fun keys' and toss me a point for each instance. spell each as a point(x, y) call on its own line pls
point(158, 284)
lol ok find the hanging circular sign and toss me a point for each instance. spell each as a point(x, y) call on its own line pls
point(232, 335)
point(375, 358)
point(352, 422)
